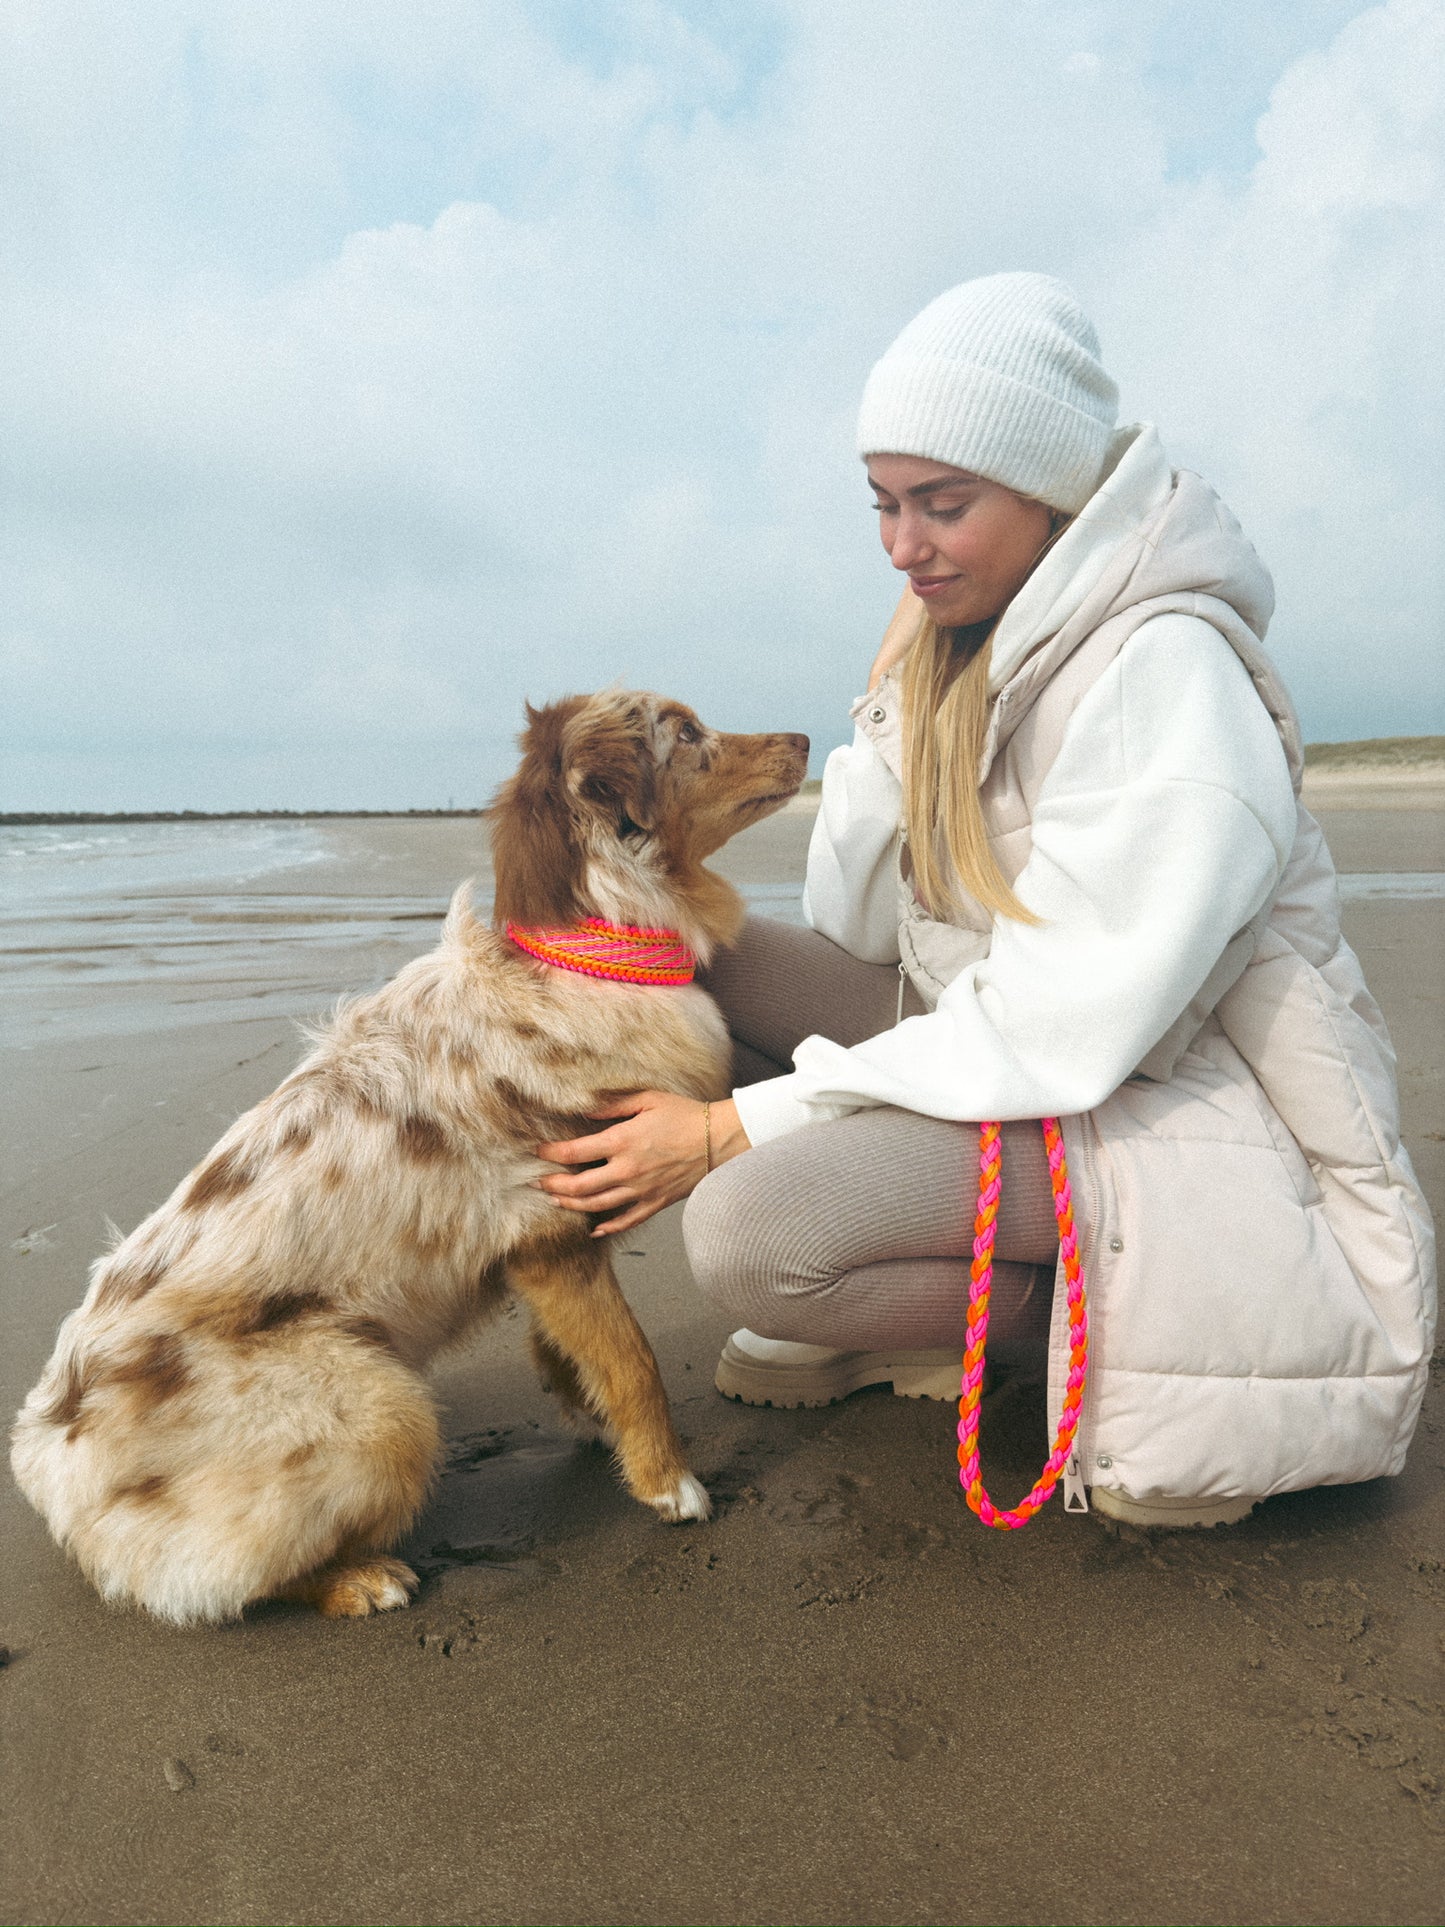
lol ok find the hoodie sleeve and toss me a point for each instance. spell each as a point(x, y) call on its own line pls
point(851, 891)
point(1161, 830)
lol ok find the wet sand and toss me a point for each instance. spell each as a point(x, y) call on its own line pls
point(843, 1700)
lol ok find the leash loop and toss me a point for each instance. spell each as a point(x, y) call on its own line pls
point(990, 1184)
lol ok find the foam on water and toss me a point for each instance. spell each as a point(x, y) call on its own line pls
point(42, 861)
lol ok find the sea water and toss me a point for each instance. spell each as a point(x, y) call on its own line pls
point(125, 927)
point(132, 926)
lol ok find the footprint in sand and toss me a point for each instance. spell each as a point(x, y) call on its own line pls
point(905, 1728)
point(832, 1585)
point(1334, 1605)
point(462, 1641)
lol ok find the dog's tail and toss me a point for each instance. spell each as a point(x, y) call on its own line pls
point(462, 926)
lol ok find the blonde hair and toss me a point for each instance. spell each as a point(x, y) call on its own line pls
point(944, 684)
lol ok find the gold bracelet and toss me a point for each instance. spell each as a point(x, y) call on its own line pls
point(707, 1134)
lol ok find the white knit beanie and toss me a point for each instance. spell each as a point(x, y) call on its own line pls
point(1000, 376)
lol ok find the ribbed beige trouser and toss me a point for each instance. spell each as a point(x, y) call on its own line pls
point(858, 1233)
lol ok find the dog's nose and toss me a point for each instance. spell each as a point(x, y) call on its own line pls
point(799, 743)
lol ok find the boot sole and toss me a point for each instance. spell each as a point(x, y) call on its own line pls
point(1180, 1513)
point(911, 1375)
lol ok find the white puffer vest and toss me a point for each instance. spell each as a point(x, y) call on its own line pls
point(1259, 1258)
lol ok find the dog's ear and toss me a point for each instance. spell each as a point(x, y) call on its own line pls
point(535, 861)
point(614, 769)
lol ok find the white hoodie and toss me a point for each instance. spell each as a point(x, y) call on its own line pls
point(1162, 828)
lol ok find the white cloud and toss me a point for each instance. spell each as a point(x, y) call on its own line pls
point(1289, 334)
point(579, 405)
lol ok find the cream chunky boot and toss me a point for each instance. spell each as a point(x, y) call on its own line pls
point(775, 1371)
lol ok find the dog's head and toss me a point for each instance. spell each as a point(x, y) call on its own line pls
point(618, 800)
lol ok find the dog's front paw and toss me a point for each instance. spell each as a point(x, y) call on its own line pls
point(686, 1500)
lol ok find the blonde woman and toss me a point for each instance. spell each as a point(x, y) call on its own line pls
point(1061, 870)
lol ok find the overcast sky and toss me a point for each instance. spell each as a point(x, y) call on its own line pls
point(368, 368)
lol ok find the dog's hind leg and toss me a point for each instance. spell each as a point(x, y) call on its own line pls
point(567, 1283)
point(371, 1480)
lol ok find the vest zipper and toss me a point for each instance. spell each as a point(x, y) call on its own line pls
point(1075, 1498)
point(902, 968)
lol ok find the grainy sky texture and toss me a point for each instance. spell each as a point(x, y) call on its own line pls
point(368, 368)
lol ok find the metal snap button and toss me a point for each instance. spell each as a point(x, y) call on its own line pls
point(1116, 1244)
point(1104, 1464)
point(877, 715)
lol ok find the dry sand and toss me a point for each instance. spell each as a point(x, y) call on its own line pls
point(843, 1700)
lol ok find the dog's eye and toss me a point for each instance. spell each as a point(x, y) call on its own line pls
point(688, 733)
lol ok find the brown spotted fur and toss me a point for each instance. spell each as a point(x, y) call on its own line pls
point(237, 1410)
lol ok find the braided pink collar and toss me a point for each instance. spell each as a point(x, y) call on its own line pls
point(617, 952)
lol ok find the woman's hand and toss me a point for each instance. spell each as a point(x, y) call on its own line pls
point(898, 638)
point(653, 1157)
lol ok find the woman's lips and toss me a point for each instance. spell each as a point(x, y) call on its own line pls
point(923, 586)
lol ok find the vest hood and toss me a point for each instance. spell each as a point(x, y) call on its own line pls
point(1152, 541)
point(1147, 532)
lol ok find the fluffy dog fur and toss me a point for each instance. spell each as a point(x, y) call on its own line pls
point(236, 1412)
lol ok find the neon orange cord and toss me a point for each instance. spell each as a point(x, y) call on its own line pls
point(990, 1184)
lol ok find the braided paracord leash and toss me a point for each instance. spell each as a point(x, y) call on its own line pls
point(990, 1169)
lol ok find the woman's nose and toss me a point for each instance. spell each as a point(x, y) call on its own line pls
point(909, 544)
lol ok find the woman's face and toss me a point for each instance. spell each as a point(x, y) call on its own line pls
point(966, 545)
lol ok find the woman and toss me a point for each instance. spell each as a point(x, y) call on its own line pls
point(1062, 870)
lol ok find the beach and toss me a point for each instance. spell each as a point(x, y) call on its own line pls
point(840, 1700)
